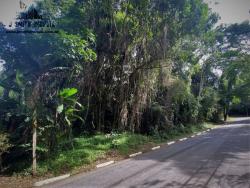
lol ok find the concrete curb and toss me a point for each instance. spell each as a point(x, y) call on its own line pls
point(105, 164)
point(157, 147)
point(182, 139)
point(170, 143)
point(135, 154)
point(51, 180)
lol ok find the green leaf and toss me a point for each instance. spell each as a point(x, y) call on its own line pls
point(19, 78)
point(41, 149)
point(69, 111)
point(68, 92)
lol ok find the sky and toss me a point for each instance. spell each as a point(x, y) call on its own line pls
point(231, 11)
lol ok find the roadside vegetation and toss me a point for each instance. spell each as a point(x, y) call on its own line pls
point(118, 76)
point(87, 150)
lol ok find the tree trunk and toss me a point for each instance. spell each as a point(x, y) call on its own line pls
point(225, 116)
point(226, 110)
point(34, 139)
point(1, 166)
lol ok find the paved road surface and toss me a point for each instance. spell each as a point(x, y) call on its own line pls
point(220, 158)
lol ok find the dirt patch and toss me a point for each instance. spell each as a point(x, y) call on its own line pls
point(16, 182)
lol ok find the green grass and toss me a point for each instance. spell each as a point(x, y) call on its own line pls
point(87, 150)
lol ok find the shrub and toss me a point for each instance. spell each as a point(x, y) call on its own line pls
point(4, 146)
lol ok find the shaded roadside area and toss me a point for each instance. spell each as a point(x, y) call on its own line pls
point(219, 158)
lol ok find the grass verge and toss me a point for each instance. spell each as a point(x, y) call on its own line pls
point(89, 151)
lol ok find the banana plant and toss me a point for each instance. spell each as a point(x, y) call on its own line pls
point(68, 106)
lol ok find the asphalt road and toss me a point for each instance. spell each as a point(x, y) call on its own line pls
point(219, 158)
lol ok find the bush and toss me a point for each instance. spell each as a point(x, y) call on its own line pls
point(4, 146)
point(154, 120)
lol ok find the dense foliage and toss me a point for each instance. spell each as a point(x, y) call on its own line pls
point(145, 67)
